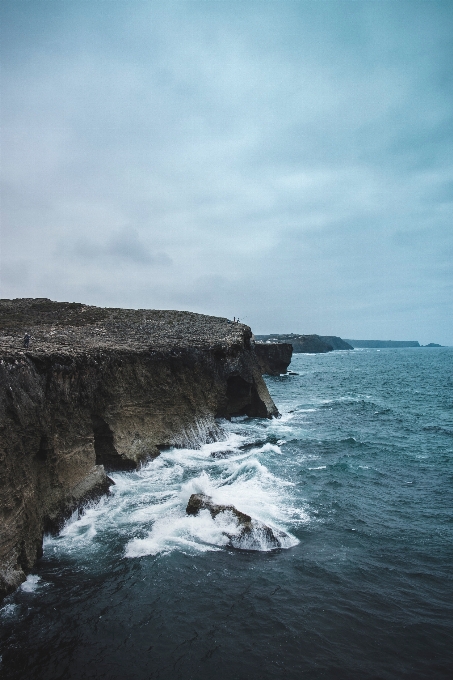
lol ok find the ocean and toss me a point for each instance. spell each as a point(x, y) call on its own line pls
point(358, 474)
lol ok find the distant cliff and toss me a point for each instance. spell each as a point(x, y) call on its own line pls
point(273, 358)
point(336, 342)
point(309, 344)
point(384, 343)
point(105, 388)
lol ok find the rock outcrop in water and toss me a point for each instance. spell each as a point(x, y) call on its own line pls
point(105, 389)
point(273, 357)
point(250, 534)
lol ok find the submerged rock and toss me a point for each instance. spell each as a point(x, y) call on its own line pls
point(251, 534)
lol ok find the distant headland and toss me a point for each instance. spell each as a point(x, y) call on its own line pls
point(389, 343)
point(320, 344)
point(384, 343)
point(307, 344)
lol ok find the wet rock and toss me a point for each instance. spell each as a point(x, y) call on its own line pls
point(222, 454)
point(252, 534)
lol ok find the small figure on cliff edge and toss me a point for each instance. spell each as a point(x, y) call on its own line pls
point(26, 340)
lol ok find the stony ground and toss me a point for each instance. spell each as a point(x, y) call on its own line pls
point(73, 327)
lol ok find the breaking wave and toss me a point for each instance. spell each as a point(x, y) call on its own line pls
point(147, 508)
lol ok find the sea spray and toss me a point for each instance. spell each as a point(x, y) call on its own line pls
point(149, 506)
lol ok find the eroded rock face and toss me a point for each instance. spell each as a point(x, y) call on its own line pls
point(273, 357)
point(249, 534)
point(104, 389)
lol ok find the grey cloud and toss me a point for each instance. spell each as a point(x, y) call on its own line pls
point(291, 160)
point(125, 245)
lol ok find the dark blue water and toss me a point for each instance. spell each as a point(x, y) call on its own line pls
point(358, 472)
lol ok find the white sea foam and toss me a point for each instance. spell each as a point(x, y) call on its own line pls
point(31, 583)
point(9, 610)
point(148, 507)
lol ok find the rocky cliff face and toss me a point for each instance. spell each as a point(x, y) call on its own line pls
point(101, 389)
point(273, 357)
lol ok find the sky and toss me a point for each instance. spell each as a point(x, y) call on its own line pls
point(289, 163)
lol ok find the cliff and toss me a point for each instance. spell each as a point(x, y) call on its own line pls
point(309, 344)
point(384, 343)
point(336, 342)
point(105, 389)
point(273, 358)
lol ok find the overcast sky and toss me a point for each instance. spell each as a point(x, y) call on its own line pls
point(290, 163)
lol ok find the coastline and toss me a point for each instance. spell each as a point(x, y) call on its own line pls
point(105, 389)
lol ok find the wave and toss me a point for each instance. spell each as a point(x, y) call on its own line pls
point(147, 508)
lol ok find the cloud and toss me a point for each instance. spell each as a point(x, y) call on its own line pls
point(124, 246)
point(285, 162)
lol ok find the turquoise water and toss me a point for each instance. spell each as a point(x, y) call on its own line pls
point(358, 472)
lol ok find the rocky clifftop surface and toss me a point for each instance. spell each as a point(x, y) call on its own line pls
point(105, 389)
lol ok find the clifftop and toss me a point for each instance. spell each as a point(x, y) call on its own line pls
point(73, 327)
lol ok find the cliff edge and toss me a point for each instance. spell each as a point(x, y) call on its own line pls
point(101, 389)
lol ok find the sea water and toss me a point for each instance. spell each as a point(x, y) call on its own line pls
point(358, 474)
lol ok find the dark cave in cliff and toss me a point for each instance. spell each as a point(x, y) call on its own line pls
point(106, 453)
point(239, 395)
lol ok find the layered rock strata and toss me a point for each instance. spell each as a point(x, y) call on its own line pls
point(102, 389)
point(273, 358)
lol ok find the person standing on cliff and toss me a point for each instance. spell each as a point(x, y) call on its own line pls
point(26, 340)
